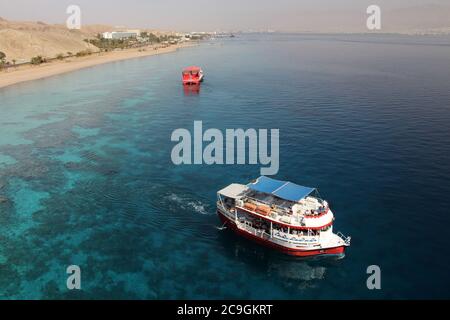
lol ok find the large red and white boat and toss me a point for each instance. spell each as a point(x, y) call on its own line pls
point(283, 215)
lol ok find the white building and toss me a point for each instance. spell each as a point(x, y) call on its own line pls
point(107, 35)
point(121, 34)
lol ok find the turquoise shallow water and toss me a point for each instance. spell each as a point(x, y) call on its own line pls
point(85, 166)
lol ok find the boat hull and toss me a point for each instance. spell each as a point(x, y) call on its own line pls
point(334, 251)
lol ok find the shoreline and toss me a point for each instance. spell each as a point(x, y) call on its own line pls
point(20, 74)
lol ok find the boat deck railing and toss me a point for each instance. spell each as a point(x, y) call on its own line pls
point(280, 235)
point(257, 232)
point(346, 239)
point(297, 239)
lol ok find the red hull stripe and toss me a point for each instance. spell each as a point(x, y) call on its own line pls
point(294, 252)
point(284, 224)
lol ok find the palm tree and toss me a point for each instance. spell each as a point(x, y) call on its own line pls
point(2, 60)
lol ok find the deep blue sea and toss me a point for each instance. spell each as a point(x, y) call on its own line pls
point(87, 176)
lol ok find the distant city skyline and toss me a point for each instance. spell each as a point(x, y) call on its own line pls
point(234, 15)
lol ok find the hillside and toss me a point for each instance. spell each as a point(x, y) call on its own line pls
point(23, 40)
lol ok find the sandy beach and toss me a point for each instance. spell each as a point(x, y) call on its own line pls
point(28, 72)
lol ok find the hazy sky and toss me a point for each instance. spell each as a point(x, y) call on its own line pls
point(190, 15)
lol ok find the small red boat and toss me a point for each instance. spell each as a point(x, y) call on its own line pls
point(192, 75)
